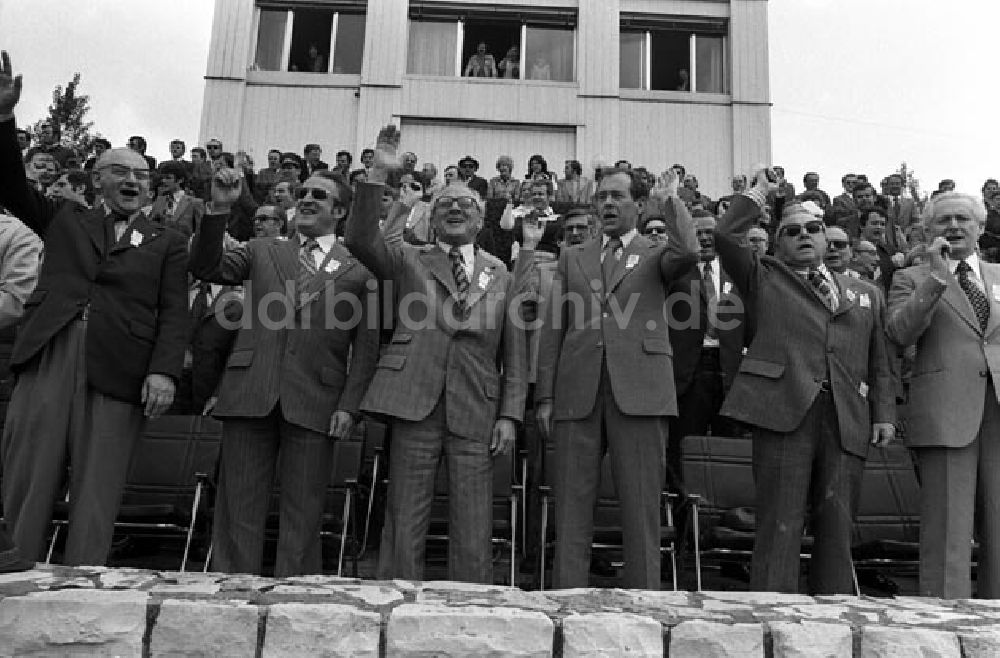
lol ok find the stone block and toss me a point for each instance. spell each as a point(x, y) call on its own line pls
point(73, 623)
point(321, 629)
point(707, 639)
point(424, 630)
point(886, 642)
point(810, 640)
point(980, 643)
point(611, 634)
point(205, 628)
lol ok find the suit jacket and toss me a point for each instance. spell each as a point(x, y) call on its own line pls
point(907, 214)
point(315, 357)
point(136, 287)
point(955, 358)
point(187, 213)
point(843, 212)
point(212, 336)
point(479, 363)
point(20, 250)
point(621, 324)
point(798, 343)
point(690, 320)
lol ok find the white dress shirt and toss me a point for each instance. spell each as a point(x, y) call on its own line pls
point(707, 341)
point(976, 274)
point(325, 243)
point(468, 255)
point(626, 239)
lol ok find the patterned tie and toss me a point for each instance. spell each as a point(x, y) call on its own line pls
point(822, 288)
point(710, 299)
point(977, 298)
point(307, 266)
point(170, 205)
point(461, 277)
point(612, 252)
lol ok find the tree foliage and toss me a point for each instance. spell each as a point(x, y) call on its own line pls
point(910, 182)
point(68, 112)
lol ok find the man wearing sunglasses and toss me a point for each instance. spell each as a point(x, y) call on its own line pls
point(100, 349)
point(815, 385)
point(438, 379)
point(296, 375)
point(838, 256)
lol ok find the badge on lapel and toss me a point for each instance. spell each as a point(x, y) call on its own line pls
point(727, 287)
point(864, 300)
point(633, 260)
point(484, 279)
point(136, 238)
point(996, 292)
point(331, 266)
point(850, 295)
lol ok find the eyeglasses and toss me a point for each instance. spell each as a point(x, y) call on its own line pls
point(838, 244)
point(655, 230)
point(464, 202)
point(318, 193)
point(793, 230)
point(121, 171)
point(416, 187)
point(214, 147)
point(576, 228)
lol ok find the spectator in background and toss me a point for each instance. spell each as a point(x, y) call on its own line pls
point(654, 227)
point(481, 63)
point(312, 153)
point(244, 164)
point(72, 186)
point(811, 183)
point(537, 166)
point(409, 166)
point(467, 168)
point(503, 186)
point(315, 61)
point(284, 199)
point(866, 262)
point(138, 144)
point(269, 222)
point(23, 141)
point(357, 176)
point(691, 197)
point(946, 185)
point(367, 158)
point(49, 144)
point(574, 187)
point(100, 145)
point(432, 184)
point(579, 225)
point(450, 174)
point(757, 240)
point(343, 159)
point(173, 207)
point(843, 206)
point(39, 170)
point(177, 150)
point(267, 177)
point(874, 229)
point(838, 256)
point(541, 69)
point(201, 174)
point(510, 66)
point(214, 149)
point(785, 188)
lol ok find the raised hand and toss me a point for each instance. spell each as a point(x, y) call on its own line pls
point(10, 85)
point(765, 180)
point(226, 188)
point(386, 158)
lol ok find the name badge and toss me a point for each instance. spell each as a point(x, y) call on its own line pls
point(863, 389)
point(484, 280)
point(996, 292)
point(727, 287)
point(865, 301)
point(850, 295)
point(332, 266)
point(633, 260)
point(136, 238)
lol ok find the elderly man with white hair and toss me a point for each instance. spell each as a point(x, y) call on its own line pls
point(949, 307)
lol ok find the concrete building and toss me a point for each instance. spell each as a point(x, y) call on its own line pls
point(655, 82)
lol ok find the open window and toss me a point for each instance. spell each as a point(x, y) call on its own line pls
point(673, 54)
point(310, 38)
point(516, 43)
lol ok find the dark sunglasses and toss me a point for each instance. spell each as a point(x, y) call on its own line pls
point(464, 202)
point(793, 230)
point(416, 187)
point(655, 230)
point(318, 193)
point(213, 147)
point(838, 244)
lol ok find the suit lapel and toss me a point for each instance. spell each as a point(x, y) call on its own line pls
point(846, 296)
point(991, 281)
point(337, 262)
point(437, 262)
point(95, 224)
point(285, 254)
point(957, 299)
point(481, 270)
point(590, 263)
point(139, 231)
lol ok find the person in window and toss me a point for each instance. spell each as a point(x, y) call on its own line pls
point(315, 62)
point(541, 69)
point(683, 80)
point(481, 64)
point(503, 186)
point(510, 66)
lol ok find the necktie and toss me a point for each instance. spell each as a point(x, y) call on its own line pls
point(307, 266)
point(977, 298)
point(710, 299)
point(170, 205)
point(461, 277)
point(822, 288)
point(895, 207)
point(612, 252)
point(199, 305)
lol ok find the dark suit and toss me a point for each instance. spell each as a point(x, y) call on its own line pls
point(294, 364)
point(103, 316)
point(702, 374)
point(213, 330)
point(812, 383)
point(186, 216)
point(953, 425)
point(610, 380)
point(440, 381)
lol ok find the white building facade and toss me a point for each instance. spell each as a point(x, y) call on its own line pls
point(654, 82)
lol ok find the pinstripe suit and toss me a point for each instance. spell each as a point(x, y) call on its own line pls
point(288, 372)
point(812, 383)
point(439, 381)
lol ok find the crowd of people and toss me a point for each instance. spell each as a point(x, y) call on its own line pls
point(614, 313)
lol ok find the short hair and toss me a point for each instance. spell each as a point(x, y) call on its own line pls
point(505, 160)
point(946, 181)
point(309, 148)
point(138, 139)
point(894, 175)
point(807, 175)
point(365, 152)
point(575, 166)
point(175, 169)
point(22, 131)
point(350, 158)
point(200, 151)
point(293, 186)
point(338, 179)
point(278, 151)
point(976, 207)
point(681, 167)
point(432, 166)
point(637, 182)
point(580, 210)
point(651, 218)
point(862, 186)
point(77, 178)
point(867, 211)
point(357, 173)
point(178, 141)
point(229, 159)
point(103, 142)
point(843, 179)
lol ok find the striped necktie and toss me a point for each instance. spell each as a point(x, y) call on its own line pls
point(612, 252)
point(977, 298)
point(307, 266)
point(461, 278)
point(822, 288)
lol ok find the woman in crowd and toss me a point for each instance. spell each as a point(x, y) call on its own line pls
point(503, 186)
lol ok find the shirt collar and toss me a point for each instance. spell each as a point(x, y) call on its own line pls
point(972, 260)
point(325, 242)
point(468, 251)
point(178, 195)
point(626, 238)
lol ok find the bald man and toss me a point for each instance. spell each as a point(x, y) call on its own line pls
point(100, 348)
point(838, 254)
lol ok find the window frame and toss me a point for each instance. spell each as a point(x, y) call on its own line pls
point(647, 57)
point(286, 46)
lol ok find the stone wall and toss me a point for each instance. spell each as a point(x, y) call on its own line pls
point(130, 612)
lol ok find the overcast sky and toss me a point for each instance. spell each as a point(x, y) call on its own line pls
point(857, 85)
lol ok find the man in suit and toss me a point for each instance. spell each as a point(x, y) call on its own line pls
point(605, 379)
point(173, 206)
point(706, 334)
point(296, 374)
point(843, 205)
point(439, 379)
point(313, 163)
point(138, 144)
point(101, 345)
point(949, 308)
point(815, 385)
